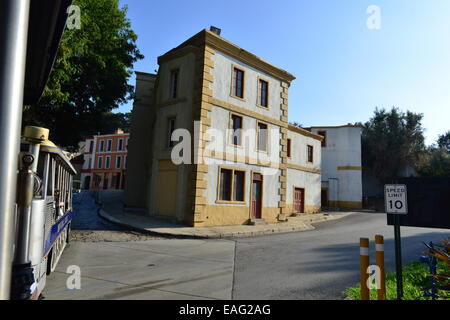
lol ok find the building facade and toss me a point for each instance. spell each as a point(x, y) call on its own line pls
point(242, 161)
point(341, 166)
point(105, 161)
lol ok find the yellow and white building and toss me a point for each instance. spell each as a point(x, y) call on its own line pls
point(341, 166)
point(248, 164)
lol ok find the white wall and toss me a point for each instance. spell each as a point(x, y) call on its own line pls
point(343, 149)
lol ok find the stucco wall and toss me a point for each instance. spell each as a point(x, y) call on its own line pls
point(341, 165)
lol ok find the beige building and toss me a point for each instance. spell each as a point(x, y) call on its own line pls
point(243, 162)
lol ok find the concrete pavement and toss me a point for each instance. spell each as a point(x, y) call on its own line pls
point(159, 269)
point(316, 264)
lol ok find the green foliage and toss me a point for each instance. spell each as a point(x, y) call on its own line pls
point(392, 141)
point(436, 163)
point(415, 281)
point(90, 74)
point(444, 141)
point(111, 121)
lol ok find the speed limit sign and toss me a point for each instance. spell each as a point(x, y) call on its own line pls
point(395, 199)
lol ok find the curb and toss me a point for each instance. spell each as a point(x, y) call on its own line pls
point(307, 226)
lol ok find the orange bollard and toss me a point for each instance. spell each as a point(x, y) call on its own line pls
point(379, 247)
point(363, 265)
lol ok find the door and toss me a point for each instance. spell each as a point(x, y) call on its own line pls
point(105, 182)
point(257, 196)
point(166, 192)
point(299, 200)
point(324, 197)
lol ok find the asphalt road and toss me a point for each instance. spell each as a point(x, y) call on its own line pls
point(317, 264)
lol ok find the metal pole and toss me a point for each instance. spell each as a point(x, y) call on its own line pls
point(363, 265)
point(14, 16)
point(398, 257)
point(379, 258)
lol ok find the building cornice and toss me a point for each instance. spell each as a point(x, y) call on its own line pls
point(208, 38)
point(305, 132)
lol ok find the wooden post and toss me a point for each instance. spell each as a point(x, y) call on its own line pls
point(379, 247)
point(364, 264)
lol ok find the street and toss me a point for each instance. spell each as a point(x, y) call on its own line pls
point(317, 264)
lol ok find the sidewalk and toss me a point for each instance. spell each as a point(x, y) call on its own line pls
point(112, 210)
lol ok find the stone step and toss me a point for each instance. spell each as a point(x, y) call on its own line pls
point(257, 222)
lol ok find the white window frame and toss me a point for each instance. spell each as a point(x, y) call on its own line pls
point(119, 163)
point(108, 162)
point(100, 163)
point(102, 146)
point(120, 144)
point(109, 145)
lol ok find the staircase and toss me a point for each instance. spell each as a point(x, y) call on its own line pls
point(257, 222)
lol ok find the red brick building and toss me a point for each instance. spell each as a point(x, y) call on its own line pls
point(105, 162)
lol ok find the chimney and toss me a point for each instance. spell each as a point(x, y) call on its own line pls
point(215, 30)
point(118, 131)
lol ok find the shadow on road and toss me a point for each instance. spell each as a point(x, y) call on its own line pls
point(86, 217)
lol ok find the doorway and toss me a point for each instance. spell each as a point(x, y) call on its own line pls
point(257, 189)
point(299, 200)
point(324, 198)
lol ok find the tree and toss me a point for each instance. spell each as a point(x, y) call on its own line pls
point(90, 74)
point(392, 141)
point(111, 121)
point(437, 158)
point(444, 141)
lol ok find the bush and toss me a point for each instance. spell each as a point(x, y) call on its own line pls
point(415, 280)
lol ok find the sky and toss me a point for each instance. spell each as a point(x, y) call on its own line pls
point(344, 70)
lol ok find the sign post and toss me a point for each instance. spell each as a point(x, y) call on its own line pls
point(395, 197)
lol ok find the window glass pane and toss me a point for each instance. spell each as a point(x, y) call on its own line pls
point(236, 132)
point(120, 145)
point(108, 162)
point(310, 154)
point(262, 137)
point(170, 130)
point(100, 162)
point(239, 85)
point(174, 84)
point(263, 93)
point(109, 145)
point(238, 192)
point(225, 185)
point(118, 161)
point(102, 145)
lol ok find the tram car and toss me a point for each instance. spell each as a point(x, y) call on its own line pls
point(44, 212)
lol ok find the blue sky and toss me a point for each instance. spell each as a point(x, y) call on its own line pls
point(344, 70)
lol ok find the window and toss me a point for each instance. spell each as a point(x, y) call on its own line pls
point(102, 145)
point(170, 130)
point(262, 137)
point(91, 146)
point(118, 162)
point(126, 145)
point(120, 145)
point(125, 162)
point(174, 84)
point(232, 185)
point(310, 153)
point(289, 143)
point(236, 129)
point(238, 83)
point(263, 93)
point(109, 145)
point(100, 162)
point(324, 135)
point(108, 162)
